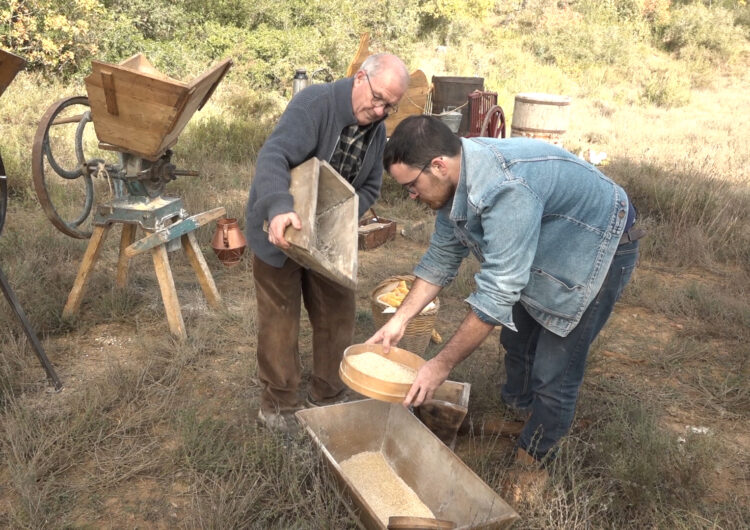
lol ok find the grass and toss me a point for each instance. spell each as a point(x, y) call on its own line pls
point(150, 432)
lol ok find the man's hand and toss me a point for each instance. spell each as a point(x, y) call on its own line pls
point(430, 376)
point(389, 334)
point(277, 227)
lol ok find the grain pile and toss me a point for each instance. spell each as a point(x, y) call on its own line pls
point(383, 490)
point(377, 366)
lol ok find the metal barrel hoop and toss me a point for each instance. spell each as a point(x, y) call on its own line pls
point(42, 150)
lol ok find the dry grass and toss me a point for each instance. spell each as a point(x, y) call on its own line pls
point(150, 432)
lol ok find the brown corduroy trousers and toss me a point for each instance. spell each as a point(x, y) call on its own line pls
point(331, 309)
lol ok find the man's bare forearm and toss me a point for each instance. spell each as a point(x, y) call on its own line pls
point(420, 294)
point(470, 334)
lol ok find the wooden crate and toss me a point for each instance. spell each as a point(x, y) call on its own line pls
point(10, 65)
point(374, 230)
point(138, 110)
point(451, 490)
point(328, 208)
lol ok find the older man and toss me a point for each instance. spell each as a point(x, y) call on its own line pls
point(556, 242)
point(342, 123)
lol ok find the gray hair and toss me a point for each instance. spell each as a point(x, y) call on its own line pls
point(376, 64)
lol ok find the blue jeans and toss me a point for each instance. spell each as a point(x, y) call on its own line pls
point(545, 371)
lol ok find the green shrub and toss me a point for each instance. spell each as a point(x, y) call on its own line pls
point(699, 26)
point(667, 88)
point(56, 36)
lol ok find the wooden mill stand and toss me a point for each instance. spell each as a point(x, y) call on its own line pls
point(156, 242)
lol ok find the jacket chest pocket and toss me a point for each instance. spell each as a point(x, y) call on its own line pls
point(466, 240)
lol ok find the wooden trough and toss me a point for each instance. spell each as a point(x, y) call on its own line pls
point(444, 483)
point(10, 65)
point(138, 110)
point(328, 208)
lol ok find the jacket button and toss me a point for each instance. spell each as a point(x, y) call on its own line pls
point(621, 214)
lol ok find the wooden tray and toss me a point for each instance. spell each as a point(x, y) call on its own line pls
point(328, 207)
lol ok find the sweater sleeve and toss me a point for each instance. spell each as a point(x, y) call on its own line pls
point(292, 141)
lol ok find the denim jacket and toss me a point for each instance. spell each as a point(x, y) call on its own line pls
point(543, 224)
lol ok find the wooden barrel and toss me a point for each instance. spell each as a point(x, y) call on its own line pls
point(541, 116)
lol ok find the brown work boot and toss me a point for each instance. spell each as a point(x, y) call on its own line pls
point(281, 422)
point(525, 481)
point(342, 397)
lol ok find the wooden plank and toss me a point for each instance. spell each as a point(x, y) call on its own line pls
point(168, 292)
point(200, 89)
point(126, 239)
point(328, 208)
point(98, 235)
point(303, 186)
point(363, 52)
point(174, 231)
point(110, 99)
point(206, 281)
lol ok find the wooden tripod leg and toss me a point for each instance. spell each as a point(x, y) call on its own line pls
point(194, 254)
point(168, 291)
point(75, 297)
point(126, 239)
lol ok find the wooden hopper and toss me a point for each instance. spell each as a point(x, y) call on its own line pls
point(328, 208)
point(138, 110)
point(10, 65)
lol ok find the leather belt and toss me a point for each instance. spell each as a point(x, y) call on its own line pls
point(634, 234)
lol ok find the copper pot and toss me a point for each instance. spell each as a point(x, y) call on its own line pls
point(228, 242)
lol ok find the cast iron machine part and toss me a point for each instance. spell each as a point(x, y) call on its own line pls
point(134, 181)
point(10, 64)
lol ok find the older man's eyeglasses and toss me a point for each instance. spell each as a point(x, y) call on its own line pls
point(379, 101)
point(409, 186)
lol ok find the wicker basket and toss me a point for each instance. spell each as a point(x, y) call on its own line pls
point(419, 329)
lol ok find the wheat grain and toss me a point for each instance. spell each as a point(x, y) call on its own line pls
point(382, 489)
point(377, 366)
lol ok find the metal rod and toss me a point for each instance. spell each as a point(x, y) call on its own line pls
point(30, 334)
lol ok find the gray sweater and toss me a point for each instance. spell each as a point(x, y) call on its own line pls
point(309, 127)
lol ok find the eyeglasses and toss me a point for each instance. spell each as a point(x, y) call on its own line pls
point(409, 186)
point(378, 101)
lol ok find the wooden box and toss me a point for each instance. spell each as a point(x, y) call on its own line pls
point(374, 230)
point(138, 110)
point(328, 208)
point(10, 65)
point(447, 486)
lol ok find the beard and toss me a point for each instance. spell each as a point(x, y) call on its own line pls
point(441, 193)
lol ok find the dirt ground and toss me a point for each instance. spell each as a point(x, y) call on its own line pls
point(226, 387)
